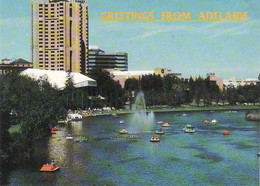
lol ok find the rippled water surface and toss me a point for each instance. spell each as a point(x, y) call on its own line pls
point(204, 158)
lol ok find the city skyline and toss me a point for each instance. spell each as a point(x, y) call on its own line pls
point(226, 48)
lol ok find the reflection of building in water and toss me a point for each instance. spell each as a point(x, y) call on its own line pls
point(122, 76)
point(77, 127)
point(234, 82)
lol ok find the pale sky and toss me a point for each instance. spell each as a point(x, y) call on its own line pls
point(191, 48)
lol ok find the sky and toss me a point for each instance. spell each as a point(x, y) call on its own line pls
point(191, 48)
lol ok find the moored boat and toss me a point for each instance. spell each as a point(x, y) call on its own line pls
point(155, 139)
point(75, 117)
point(49, 168)
point(160, 122)
point(81, 139)
point(54, 129)
point(69, 137)
point(207, 121)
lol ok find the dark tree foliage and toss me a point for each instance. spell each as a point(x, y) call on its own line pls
point(32, 105)
point(110, 89)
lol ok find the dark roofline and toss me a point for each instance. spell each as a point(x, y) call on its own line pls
point(20, 60)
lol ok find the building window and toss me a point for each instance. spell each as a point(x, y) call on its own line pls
point(70, 12)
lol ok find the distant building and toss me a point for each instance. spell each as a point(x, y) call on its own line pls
point(234, 82)
point(16, 65)
point(6, 61)
point(164, 71)
point(113, 60)
point(60, 35)
point(122, 76)
point(219, 81)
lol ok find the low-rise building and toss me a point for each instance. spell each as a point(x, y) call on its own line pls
point(17, 65)
point(234, 82)
point(219, 81)
point(122, 76)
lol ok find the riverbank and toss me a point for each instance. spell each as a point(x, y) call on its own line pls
point(189, 109)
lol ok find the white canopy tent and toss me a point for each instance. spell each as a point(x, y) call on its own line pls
point(59, 78)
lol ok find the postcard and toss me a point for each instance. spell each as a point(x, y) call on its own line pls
point(115, 92)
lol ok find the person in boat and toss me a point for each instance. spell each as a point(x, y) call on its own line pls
point(160, 129)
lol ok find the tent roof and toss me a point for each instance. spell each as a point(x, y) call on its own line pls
point(59, 78)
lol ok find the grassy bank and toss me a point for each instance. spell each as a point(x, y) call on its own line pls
point(190, 109)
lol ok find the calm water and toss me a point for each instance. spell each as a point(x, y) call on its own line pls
point(204, 158)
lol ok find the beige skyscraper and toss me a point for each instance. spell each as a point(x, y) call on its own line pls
point(60, 35)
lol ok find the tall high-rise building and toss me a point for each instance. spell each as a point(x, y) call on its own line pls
point(60, 35)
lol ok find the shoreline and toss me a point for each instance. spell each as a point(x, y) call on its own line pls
point(185, 109)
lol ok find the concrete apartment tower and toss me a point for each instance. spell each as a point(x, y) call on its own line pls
point(60, 35)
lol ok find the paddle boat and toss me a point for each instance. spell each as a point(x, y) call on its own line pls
point(160, 122)
point(207, 121)
point(115, 116)
point(49, 167)
point(225, 132)
point(165, 125)
point(81, 139)
point(54, 129)
point(190, 129)
point(69, 137)
point(122, 122)
point(186, 127)
point(123, 131)
point(214, 121)
point(155, 139)
point(160, 131)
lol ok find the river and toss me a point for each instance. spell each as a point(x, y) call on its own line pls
point(204, 158)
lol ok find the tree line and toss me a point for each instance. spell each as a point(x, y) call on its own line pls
point(173, 91)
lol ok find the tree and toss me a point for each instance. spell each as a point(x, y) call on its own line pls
point(34, 106)
point(108, 88)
